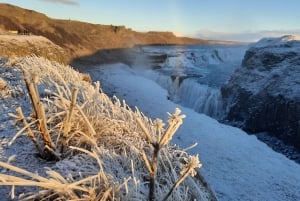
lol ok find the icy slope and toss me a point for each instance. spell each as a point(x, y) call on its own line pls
point(236, 165)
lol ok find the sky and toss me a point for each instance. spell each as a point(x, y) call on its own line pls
point(242, 20)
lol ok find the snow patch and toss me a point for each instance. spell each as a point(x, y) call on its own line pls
point(275, 41)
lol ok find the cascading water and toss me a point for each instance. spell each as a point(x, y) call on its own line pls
point(201, 98)
point(189, 93)
point(193, 75)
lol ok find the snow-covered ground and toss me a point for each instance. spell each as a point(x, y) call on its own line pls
point(236, 165)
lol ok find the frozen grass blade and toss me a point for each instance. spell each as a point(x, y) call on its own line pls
point(67, 123)
point(188, 170)
point(21, 132)
point(29, 131)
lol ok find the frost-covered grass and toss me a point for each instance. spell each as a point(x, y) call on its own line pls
point(22, 45)
point(108, 150)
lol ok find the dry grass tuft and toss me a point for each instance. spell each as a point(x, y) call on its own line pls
point(3, 84)
point(87, 78)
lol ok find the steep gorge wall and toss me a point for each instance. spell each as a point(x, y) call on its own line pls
point(264, 94)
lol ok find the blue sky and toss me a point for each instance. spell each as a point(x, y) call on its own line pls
point(245, 20)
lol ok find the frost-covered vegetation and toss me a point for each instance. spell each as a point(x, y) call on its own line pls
point(104, 149)
point(23, 45)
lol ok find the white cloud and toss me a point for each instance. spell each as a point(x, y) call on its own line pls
point(244, 36)
point(68, 2)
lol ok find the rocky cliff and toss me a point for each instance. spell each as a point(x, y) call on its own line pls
point(264, 93)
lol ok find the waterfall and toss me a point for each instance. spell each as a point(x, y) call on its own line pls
point(188, 92)
point(193, 75)
point(201, 98)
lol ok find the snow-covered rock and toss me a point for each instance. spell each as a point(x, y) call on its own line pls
point(275, 41)
point(264, 93)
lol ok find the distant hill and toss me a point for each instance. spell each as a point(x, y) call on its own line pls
point(81, 38)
